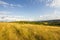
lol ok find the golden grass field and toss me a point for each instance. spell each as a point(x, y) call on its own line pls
point(16, 31)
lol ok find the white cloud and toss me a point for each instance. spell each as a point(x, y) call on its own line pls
point(14, 18)
point(6, 16)
point(50, 16)
point(4, 12)
point(50, 3)
point(54, 3)
point(5, 4)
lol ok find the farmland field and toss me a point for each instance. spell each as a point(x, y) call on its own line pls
point(16, 31)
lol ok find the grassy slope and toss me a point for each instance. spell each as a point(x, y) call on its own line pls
point(16, 31)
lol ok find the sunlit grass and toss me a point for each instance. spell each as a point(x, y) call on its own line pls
point(16, 31)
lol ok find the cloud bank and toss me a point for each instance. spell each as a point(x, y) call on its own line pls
point(5, 16)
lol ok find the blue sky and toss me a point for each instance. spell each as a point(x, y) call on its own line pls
point(29, 9)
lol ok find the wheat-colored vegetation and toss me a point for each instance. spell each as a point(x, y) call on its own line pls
point(17, 31)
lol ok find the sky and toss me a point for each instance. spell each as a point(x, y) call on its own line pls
point(32, 10)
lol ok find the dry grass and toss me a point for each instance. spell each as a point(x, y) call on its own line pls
point(15, 31)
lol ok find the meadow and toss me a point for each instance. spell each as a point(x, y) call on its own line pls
point(28, 31)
